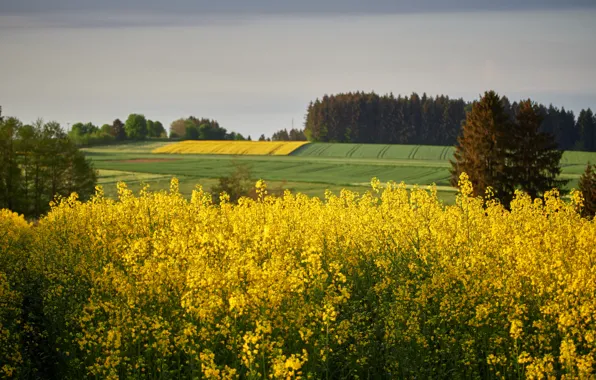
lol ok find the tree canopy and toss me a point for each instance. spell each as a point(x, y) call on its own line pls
point(136, 127)
point(155, 129)
point(38, 163)
point(193, 128)
point(292, 135)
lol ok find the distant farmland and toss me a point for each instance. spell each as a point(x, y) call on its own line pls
point(310, 169)
point(258, 148)
point(376, 151)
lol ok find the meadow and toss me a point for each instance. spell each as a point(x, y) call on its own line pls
point(310, 169)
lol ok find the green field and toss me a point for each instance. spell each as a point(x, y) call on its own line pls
point(311, 169)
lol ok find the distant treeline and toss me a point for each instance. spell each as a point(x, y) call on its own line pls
point(370, 118)
point(292, 135)
point(136, 127)
point(193, 128)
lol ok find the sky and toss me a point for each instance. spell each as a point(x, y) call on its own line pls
point(255, 65)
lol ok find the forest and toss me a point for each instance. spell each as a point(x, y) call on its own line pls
point(371, 118)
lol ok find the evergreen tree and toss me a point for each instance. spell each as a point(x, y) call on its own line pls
point(533, 163)
point(482, 147)
point(587, 185)
point(586, 125)
point(281, 135)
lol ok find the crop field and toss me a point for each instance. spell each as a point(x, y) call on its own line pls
point(310, 169)
point(386, 284)
point(376, 151)
point(259, 148)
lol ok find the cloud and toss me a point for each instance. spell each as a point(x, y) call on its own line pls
point(287, 6)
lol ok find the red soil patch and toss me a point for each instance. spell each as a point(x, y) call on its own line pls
point(148, 160)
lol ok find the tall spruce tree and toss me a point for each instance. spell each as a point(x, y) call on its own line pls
point(482, 147)
point(533, 163)
point(586, 125)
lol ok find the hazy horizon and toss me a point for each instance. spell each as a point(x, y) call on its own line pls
point(255, 72)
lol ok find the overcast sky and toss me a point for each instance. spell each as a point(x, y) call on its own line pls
point(255, 65)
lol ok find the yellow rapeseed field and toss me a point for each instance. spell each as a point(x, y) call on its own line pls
point(261, 148)
point(386, 284)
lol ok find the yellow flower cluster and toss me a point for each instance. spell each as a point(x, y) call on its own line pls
point(13, 229)
point(386, 284)
point(260, 148)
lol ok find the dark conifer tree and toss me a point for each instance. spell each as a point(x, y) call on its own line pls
point(533, 161)
point(586, 125)
point(587, 185)
point(482, 147)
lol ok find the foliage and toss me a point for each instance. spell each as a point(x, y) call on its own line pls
point(39, 163)
point(194, 128)
point(231, 147)
point(534, 160)
point(106, 128)
point(204, 129)
point(587, 186)
point(87, 134)
point(501, 154)
point(293, 135)
point(370, 118)
point(482, 149)
point(10, 173)
point(239, 183)
point(118, 130)
point(13, 230)
point(235, 136)
point(84, 129)
point(155, 129)
point(178, 128)
point(136, 127)
point(586, 124)
point(387, 284)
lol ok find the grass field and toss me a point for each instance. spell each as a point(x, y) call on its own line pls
point(376, 151)
point(310, 169)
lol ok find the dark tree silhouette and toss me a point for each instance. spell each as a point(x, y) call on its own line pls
point(587, 186)
point(482, 147)
point(533, 163)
